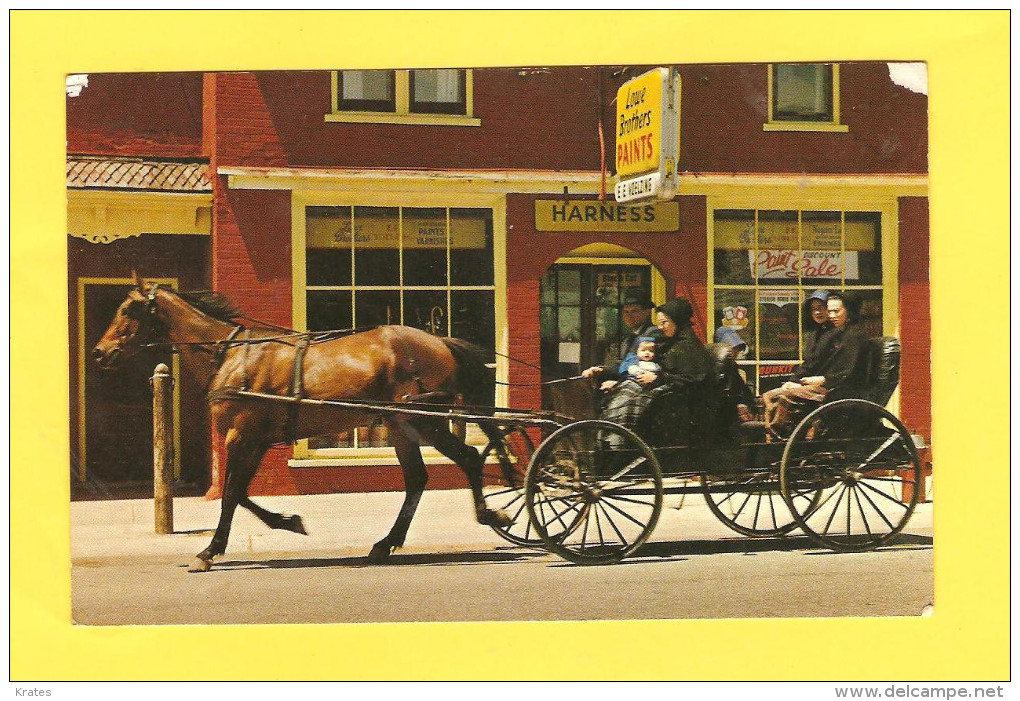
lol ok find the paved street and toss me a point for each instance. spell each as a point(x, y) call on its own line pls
point(454, 570)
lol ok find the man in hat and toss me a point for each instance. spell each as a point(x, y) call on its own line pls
point(636, 312)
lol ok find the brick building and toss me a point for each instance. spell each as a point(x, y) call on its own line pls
point(469, 203)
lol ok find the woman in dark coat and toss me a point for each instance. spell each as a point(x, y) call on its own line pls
point(685, 369)
point(833, 371)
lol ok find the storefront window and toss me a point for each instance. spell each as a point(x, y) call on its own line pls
point(767, 262)
point(427, 268)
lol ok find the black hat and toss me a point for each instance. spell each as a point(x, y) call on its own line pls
point(638, 297)
point(679, 310)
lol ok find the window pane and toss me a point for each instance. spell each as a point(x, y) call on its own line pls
point(778, 314)
point(547, 322)
point(471, 247)
point(376, 259)
point(473, 314)
point(734, 310)
point(778, 248)
point(547, 287)
point(366, 90)
point(328, 245)
point(822, 262)
point(438, 91)
point(870, 303)
point(863, 248)
point(569, 324)
point(424, 237)
point(328, 310)
point(426, 310)
point(568, 287)
point(802, 92)
point(376, 308)
point(733, 243)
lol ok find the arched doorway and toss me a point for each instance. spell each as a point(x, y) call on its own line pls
point(580, 296)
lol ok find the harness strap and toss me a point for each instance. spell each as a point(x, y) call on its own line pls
point(297, 390)
point(224, 346)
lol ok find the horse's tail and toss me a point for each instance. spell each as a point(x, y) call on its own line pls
point(476, 381)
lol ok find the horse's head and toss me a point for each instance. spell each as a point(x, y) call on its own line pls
point(133, 325)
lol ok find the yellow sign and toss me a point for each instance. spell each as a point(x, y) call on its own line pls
point(384, 232)
point(639, 124)
point(595, 215)
point(815, 236)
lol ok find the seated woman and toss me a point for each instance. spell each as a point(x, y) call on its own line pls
point(685, 369)
point(832, 370)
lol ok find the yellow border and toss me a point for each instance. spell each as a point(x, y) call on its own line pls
point(833, 125)
point(967, 638)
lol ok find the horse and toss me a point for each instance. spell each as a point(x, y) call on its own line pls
point(389, 364)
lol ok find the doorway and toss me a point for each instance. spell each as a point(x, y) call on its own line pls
point(115, 407)
point(580, 312)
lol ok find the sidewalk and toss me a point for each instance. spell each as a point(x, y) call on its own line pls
point(347, 524)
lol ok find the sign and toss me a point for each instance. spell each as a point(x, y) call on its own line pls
point(595, 215)
point(384, 232)
point(819, 236)
point(771, 264)
point(646, 136)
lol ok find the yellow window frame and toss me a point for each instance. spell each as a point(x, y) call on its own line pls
point(888, 210)
point(304, 456)
point(402, 112)
point(786, 125)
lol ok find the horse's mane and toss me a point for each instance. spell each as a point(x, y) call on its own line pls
point(212, 303)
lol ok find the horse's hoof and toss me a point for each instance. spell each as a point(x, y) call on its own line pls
point(496, 518)
point(200, 565)
point(380, 553)
point(296, 525)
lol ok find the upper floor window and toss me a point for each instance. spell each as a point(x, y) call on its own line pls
point(428, 96)
point(804, 97)
point(366, 91)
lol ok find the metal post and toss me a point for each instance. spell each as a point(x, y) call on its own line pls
point(163, 448)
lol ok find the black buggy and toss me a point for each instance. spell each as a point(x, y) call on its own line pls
point(848, 476)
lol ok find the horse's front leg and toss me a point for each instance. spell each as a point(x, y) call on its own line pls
point(415, 477)
point(243, 456)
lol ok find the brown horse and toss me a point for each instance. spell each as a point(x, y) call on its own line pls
point(387, 364)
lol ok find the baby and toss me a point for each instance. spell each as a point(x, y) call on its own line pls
point(641, 360)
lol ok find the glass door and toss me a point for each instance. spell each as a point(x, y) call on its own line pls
point(581, 324)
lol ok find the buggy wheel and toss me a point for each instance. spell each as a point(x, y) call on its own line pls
point(865, 467)
point(751, 503)
point(504, 462)
point(594, 492)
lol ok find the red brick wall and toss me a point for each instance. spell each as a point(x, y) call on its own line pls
point(137, 114)
point(723, 109)
point(915, 315)
point(539, 121)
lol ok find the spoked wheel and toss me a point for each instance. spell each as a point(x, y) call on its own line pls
point(504, 464)
point(594, 492)
point(751, 503)
point(863, 462)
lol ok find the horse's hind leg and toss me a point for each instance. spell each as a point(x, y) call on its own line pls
point(468, 459)
point(415, 477)
point(243, 457)
point(280, 522)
